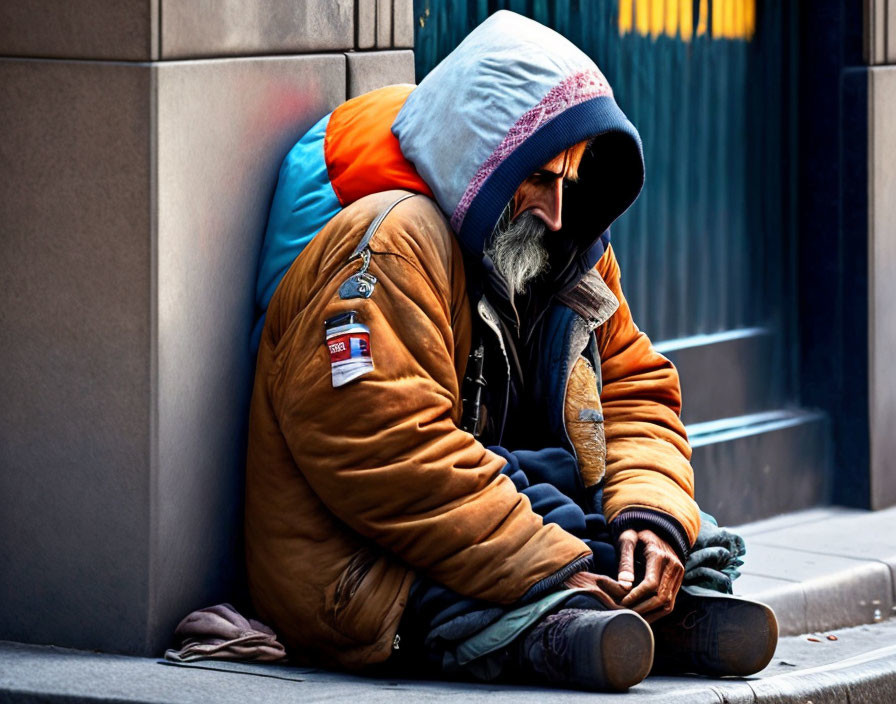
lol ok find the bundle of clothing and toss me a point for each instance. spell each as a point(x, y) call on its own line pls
point(220, 632)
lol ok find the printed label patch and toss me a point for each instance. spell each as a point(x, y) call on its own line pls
point(349, 348)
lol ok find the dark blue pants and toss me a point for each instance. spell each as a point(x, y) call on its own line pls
point(437, 618)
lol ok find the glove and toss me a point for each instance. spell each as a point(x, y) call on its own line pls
point(715, 557)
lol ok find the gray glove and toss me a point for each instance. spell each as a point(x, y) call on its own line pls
point(715, 557)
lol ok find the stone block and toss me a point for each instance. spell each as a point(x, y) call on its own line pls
point(375, 69)
point(223, 129)
point(727, 374)
point(841, 599)
point(797, 565)
point(882, 284)
point(839, 591)
point(762, 470)
point(891, 32)
point(880, 32)
point(786, 597)
point(365, 24)
point(195, 28)
point(87, 29)
point(383, 24)
point(134, 202)
point(403, 24)
point(787, 520)
point(76, 422)
point(862, 537)
point(144, 30)
point(874, 45)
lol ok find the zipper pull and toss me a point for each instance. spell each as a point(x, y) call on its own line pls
point(396, 642)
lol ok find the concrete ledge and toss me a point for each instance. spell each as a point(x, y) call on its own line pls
point(859, 666)
point(822, 569)
point(818, 568)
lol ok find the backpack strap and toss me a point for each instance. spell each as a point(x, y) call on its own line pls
point(361, 283)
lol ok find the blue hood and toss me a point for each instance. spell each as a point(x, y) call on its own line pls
point(509, 98)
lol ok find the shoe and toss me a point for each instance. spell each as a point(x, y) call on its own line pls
point(586, 648)
point(715, 634)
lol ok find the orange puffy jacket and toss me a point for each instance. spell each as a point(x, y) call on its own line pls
point(351, 490)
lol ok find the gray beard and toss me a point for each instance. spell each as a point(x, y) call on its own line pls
point(517, 250)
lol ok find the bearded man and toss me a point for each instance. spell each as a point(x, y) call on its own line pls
point(463, 454)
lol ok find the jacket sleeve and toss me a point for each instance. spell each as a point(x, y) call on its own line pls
point(648, 455)
point(384, 453)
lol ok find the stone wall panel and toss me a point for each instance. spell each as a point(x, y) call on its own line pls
point(882, 285)
point(224, 126)
point(75, 309)
point(374, 69)
point(207, 28)
point(86, 29)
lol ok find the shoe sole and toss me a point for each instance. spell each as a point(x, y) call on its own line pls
point(625, 651)
point(749, 646)
point(746, 640)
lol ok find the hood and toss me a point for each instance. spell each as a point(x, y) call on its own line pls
point(509, 98)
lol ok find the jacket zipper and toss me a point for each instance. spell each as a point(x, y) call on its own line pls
point(484, 309)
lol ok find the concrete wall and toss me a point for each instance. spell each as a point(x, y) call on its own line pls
point(880, 32)
point(141, 143)
point(880, 54)
point(882, 278)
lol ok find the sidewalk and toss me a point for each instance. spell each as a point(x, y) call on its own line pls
point(823, 570)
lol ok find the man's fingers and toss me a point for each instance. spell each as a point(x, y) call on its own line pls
point(627, 542)
point(605, 598)
point(649, 584)
point(646, 607)
point(668, 587)
point(579, 580)
point(611, 586)
point(677, 579)
point(664, 601)
point(595, 583)
point(604, 588)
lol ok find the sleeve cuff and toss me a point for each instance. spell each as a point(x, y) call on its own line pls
point(551, 582)
point(664, 525)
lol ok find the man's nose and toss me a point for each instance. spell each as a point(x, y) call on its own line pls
point(550, 205)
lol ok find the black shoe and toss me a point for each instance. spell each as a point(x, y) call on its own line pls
point(714, 634)
point(595, 650)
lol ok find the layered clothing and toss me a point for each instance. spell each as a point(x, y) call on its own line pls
point(408, 465)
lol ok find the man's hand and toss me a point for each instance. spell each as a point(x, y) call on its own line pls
point(604, 588)
point(655, 596)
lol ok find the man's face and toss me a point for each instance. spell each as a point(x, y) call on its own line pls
point(542, 193)
point(517, 245)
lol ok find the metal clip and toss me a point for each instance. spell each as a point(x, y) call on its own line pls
point(360, 284)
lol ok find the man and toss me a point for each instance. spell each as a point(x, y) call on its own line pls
point(462, 451)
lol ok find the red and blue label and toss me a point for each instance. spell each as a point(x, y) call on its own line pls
point(348, 344)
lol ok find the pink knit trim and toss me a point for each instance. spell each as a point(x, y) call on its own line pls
point(574, 90)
